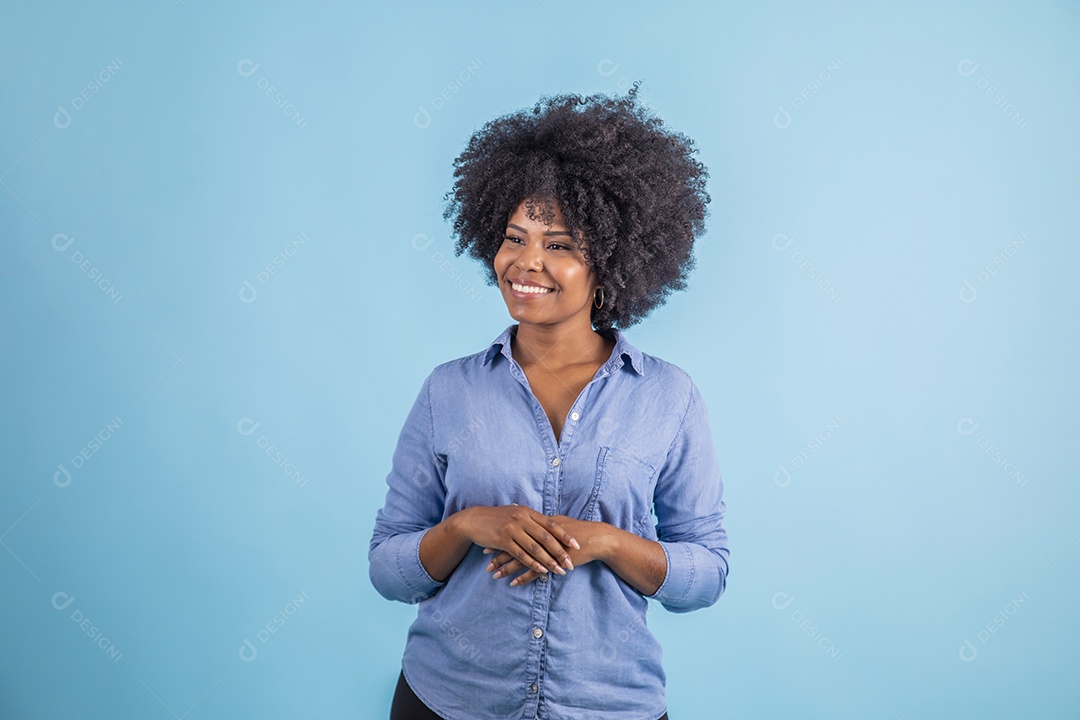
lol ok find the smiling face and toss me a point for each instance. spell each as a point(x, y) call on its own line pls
point(559, 282)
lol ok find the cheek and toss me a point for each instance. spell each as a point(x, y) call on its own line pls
point(577, 278)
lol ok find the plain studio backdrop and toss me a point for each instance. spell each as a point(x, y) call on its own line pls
point(227, 275)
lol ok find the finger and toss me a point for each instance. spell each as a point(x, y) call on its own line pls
point(544, 548)
point(530, 555)
point(526, 577)
point(560, 532)
point(548, 530)
point(500, 559)
point(509, 569)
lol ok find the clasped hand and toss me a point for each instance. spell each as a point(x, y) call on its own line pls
point(523, 539)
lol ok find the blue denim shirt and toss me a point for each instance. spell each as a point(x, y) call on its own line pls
point(636, 451)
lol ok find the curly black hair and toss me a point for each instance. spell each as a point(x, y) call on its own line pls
point(621, 179)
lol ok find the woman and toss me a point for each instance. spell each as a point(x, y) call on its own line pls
point(520, 506)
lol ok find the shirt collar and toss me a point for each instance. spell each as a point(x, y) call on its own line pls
point(501, 346)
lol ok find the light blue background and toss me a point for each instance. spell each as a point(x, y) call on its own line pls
point(886, 562)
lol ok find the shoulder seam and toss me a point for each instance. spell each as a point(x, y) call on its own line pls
point(431, 414)
point(686, 413)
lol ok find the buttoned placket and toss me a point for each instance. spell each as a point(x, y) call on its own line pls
point(555, 450)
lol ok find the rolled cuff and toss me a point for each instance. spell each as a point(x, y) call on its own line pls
point(695, 577)
point(396, 570)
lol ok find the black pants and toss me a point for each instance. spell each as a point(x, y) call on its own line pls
point(406, 706)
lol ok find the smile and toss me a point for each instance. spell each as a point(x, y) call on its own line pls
point(529, 289)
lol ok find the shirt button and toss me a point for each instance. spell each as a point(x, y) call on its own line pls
point(544, 577)
point(538, 633)
point(555, 462)
point(574, 416)
point(533, 688)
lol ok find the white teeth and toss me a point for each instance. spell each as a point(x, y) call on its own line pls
point(529, 289)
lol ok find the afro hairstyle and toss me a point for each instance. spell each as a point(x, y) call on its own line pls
point(622, 180)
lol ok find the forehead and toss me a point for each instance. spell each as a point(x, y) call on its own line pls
point(537, 209)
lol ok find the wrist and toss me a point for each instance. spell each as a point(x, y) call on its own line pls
point(610, 543)
point(455, 523)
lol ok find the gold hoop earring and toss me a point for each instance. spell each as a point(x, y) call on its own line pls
point(601, 289)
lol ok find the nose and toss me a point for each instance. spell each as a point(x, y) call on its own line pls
point(529, 257)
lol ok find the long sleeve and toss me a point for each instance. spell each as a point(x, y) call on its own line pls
point(689, 506)
point(636, 443)
point(414, 503)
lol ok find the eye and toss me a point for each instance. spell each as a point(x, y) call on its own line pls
point(511, 238)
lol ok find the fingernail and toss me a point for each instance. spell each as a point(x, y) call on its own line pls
point(487, 551)
point(543, 569)
point(490, 566)
point(514, 581)
point(569, 564)
point(575, 544)
point(560, 570)
point(497, 575)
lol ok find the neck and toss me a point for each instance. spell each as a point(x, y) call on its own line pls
point(559, 345)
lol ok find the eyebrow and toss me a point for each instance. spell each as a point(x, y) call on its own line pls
point(549, 232)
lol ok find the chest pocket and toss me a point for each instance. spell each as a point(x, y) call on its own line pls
point(622, 491)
